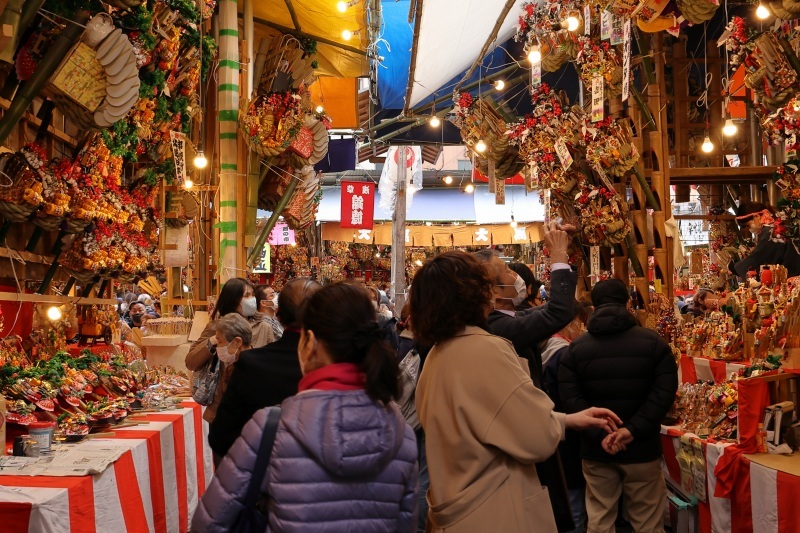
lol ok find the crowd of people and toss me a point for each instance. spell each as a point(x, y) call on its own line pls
point(478, 408)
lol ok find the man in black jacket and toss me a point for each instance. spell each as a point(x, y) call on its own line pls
point(264, 376)
point(630, 370)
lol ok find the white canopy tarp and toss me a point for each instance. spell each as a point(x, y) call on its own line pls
point(452, 34)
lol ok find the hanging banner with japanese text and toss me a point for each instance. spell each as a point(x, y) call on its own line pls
point(358, 204)
point(178, 141)
point(281, 234)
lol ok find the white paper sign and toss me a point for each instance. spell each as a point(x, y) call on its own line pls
point(587, 19)
point(617, 32)
point(594, 263)
point(563, 154)
point(536, 74)
point(597, 99)
point(605, 25)
point(547, 205)
point(179, 154)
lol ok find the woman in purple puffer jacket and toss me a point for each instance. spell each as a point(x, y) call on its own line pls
point(344, 459)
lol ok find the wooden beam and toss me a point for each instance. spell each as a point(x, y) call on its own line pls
point(298, 33)
point(31, 119)
point(54, 299)
point(704, 217)
point(413, 66)
point(725, 173)
point(293, 14)
point(492, 37)
point(28, 257)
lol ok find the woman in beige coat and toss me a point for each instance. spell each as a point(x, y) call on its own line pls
point(236, 296)
point(485, 422)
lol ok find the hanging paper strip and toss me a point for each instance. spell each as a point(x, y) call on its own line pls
point(178, 140)
point(228, 115)
point(594, 264)
point(605, 25)
point(626, 61)
point(563, 154)
point(587, 19)
point(536, 74)
point(597, 99)
point(617, 31)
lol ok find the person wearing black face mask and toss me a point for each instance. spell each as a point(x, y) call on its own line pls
point(137, 316)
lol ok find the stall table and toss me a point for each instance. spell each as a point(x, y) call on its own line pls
point(694, 369)
point(154, 486)
point(765, 500)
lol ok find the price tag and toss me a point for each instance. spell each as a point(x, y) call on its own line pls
point(626, 61)
point(563, 154)
point(587, 19)
point(597, 99)
point(605, 25)
point(536, 74)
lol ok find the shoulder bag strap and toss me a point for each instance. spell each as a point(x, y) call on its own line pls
point(262, 459)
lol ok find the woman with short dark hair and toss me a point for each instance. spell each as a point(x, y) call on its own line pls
point(344, 459)
point(485, 422)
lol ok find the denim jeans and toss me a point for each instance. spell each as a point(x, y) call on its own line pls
point(577, 502)
point(424, 483)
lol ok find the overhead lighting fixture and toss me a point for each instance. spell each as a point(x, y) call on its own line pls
point(434, 121)
point(480, 146)
point(342, 5)
point(448, 180)
point(319, 109)
point(762, 12)
point(513, 223)
point(200, 160)
point(347, 34)
point(188, 184)
point(729, 130)
point(535, 55)
point(499, 85)
point(418, 263)
point(571, 23)
point(707, 146)
point(469, 189)
point(54, 313)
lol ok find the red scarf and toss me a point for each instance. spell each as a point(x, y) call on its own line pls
point(338, 376)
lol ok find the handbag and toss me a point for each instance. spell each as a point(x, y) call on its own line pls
point(204, 382)
point(254, 518)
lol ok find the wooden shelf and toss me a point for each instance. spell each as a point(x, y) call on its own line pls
point(54, 299)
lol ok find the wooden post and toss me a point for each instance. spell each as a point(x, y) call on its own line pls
point(399, 232)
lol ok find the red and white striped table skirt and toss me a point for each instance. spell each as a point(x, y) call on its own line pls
point(694, 369)
point(155, 486)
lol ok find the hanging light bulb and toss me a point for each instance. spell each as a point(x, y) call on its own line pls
point(347, 34)
point(54, 313)
point(535, 55)
point(762, 12)
point(480, 146)
point(434, 121)
point(513, 222)
point(429, 223)
point(200, 160)
point(448, 180)
point(729, 130)
point(418, 263)
point(378, 255)
point(499, 85)
point(319, 109)
point(707, 146)
point(188, 184)
point(571, 23)
point(469, 189)
point(342, 6)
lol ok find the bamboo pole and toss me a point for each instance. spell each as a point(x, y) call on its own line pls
point(492, 37)
point(399, 231)
point(47, 67)
point(291, 31)
point(413, 66)
point(292, 14)
point(261, 238)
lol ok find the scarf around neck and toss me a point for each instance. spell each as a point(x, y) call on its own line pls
point(337, 376)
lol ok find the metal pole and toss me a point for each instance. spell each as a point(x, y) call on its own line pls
point(399, 232)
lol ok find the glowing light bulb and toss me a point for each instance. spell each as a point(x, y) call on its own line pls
point(200, 160)
point(429, 223)
point(513, 222)
point(448, 180)
point(342, 6)
point(378, 255)
point(480, 146)
point(418, 263)
point(54, 313)
point(729, 130)
point(188, 184)
point(470, 188)
point(573, 23)
point(707, 146)
point(347, 35)
point(319, 109)
point(434, 121)
point(499, 85)
point(762, 12)
point(535, 55)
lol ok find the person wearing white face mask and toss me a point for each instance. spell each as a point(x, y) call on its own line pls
point(233, 334)
point(237, 297)
point(267, 304)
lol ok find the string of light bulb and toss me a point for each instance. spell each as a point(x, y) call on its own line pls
point(342, 6)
